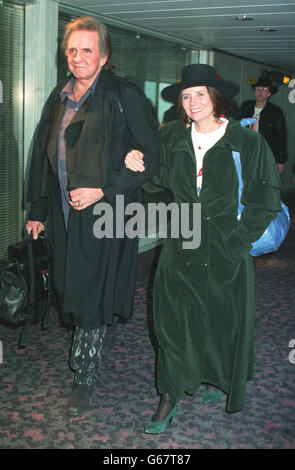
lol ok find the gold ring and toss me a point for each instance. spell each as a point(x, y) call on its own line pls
point(79, 204)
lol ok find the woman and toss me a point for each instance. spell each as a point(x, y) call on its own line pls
point(203, 298)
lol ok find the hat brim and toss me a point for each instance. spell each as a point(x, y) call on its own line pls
point(227, 88)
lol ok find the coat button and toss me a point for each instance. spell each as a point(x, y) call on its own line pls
point(188, 263)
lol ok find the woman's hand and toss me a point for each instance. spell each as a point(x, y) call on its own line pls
point(35, 227)
point(84, 197)
point(134, 161)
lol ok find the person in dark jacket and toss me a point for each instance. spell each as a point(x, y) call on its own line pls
point(270, 119)
point(77, 167)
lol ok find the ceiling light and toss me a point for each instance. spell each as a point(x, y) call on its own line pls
point(267, 30)
point(286, 79)
point(244, 18)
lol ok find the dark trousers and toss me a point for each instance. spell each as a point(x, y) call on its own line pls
point(86, 354)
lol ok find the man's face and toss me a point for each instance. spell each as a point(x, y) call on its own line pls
point(262, 93)
point(83, 56)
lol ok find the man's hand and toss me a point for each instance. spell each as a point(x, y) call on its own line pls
point(35, 227)
point(134, 161)
point(84, 197)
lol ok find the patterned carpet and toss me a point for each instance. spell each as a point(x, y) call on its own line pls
point(32, 414)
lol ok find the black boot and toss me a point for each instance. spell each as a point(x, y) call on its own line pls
point(109, 338)
point(80, 400)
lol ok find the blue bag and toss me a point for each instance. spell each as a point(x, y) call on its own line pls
point(277, 230)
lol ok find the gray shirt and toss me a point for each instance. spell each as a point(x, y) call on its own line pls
point(71, 108)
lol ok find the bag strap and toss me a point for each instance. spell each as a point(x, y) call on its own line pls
point(31, 301)
point(237, 161)
point(32, 272)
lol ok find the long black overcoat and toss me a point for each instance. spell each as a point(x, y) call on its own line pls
point(93, 278)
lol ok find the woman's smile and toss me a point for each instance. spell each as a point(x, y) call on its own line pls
point(197, 103)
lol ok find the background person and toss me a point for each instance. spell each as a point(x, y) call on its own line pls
point(270, 119)
point(171, 114)
point(204, 297)
point(78, 161)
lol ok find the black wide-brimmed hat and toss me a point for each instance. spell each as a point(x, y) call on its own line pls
point(199, 75)
point(265, 81)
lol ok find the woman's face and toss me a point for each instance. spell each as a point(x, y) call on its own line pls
point(197, 103)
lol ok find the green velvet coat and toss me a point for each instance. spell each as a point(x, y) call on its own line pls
point(204, 297)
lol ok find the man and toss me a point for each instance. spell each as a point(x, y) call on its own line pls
point(87, 126)
point(270, 119)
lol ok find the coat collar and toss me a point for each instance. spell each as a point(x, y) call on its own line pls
point(55, 118)
point(182, 141)
point(232, 137)
point(105, 81)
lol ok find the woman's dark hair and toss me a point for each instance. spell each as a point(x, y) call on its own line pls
point(90, 23)
point(219, 101)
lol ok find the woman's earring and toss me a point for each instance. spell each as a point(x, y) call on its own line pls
point(188, 122)
point(214, 117)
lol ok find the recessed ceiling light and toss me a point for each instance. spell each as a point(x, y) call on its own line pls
point(267, 30)
point(244, 18)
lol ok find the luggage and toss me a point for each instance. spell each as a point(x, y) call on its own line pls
point(276, 232)
point(25, 287)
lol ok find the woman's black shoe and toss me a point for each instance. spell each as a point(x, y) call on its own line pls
point(79, 401)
